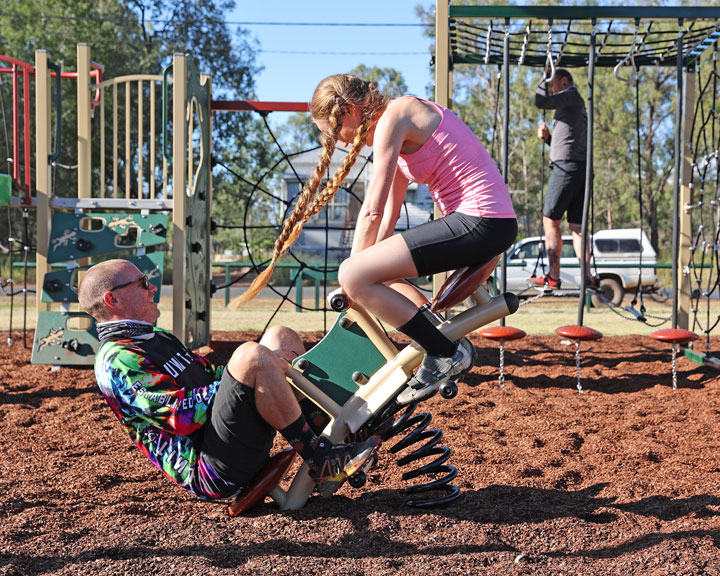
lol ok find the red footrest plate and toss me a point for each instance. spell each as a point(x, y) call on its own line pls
point(674, 336)
point(505, 333)
point(579, 333)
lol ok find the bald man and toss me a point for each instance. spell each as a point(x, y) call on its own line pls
point(208, 428)
point(566, 185)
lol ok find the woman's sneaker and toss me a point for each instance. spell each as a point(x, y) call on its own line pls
point(435, 370)
point(332, 464)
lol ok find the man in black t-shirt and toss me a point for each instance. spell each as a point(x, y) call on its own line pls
point(566, 185)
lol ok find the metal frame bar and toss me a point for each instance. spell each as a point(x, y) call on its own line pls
point(588, 175)
point(677, 168)
point(446, 17)
point(586, 12)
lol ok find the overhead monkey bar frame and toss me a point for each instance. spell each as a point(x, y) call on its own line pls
point(583, 36)
point(471, 43)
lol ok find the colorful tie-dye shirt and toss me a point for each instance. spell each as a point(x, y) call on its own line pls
point(162, 403)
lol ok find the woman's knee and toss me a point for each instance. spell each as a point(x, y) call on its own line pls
point(349, 279)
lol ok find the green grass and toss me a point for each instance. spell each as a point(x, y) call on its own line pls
point(538, 317)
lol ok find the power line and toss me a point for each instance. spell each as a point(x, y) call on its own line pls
point(229, 23)
point(318, 53)
point(323, 24)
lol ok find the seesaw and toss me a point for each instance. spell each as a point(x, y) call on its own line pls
point(360, 395)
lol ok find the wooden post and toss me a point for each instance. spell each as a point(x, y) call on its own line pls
point(179, 185)
point(43, 181)
point(84, 138)
point(442, 84)
point(442, 53)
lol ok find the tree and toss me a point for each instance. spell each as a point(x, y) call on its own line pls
point(618, 174)
point(390, 81)
point(141, 36)
point(301, 133)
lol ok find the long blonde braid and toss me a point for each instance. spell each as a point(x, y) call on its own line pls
point(348, 90)
point(338, 178)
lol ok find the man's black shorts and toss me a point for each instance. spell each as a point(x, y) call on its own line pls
point(565, 191)
point(236, 440)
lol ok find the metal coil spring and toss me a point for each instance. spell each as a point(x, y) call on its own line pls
point(419, 423)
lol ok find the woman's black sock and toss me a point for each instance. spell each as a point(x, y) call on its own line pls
point(422, 330)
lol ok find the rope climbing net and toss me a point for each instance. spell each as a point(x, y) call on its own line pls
point(327, 237)
point(704, 266)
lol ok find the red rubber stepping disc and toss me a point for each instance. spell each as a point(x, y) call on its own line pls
point(579, 333)
point(674, 336)
point(506, 333)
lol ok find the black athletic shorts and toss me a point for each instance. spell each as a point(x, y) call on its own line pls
point(565, 191)
point(458, 240)
point(236, 440)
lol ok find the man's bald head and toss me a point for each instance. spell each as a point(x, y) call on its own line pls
point(98, 280)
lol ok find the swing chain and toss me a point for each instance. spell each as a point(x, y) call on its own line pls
point(549, 62)
point(487, 42)
point(630, 58)
point(633, 316)
point(526, 40)
point(540, 294)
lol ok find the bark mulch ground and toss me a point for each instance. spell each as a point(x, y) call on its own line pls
point(623, 479)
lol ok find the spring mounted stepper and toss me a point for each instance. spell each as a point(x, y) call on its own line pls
point(387, 429)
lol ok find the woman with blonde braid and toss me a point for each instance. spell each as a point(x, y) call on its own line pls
point(418, 140)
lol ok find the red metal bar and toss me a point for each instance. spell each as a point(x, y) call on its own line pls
point(15, 63)
point(97, 73)
point(26, 135)
point(250, 105)
point(23, 181)
point(15, 129)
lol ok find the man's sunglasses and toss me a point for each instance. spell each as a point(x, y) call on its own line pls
point(143, 281)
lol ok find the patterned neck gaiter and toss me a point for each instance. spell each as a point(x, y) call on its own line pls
point(122, 330)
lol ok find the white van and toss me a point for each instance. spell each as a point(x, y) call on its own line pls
point(616, 253)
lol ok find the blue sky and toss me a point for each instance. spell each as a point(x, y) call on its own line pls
point(296, 58)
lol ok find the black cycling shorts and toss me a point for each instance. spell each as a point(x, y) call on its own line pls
point(565, 191)
point(458, 240)
point(236, 440)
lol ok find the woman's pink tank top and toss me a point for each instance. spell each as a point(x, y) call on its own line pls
point(461, 175)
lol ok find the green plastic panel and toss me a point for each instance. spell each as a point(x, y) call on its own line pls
point(75, 236)
point(58, 343)
point(5, 189)
point(334, 359)
point(61, 285)
point(197, 210)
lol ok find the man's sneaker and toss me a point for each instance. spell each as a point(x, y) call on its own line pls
point(592, 282)
point(332, 464)
point(546, 281)
point(435, 370)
